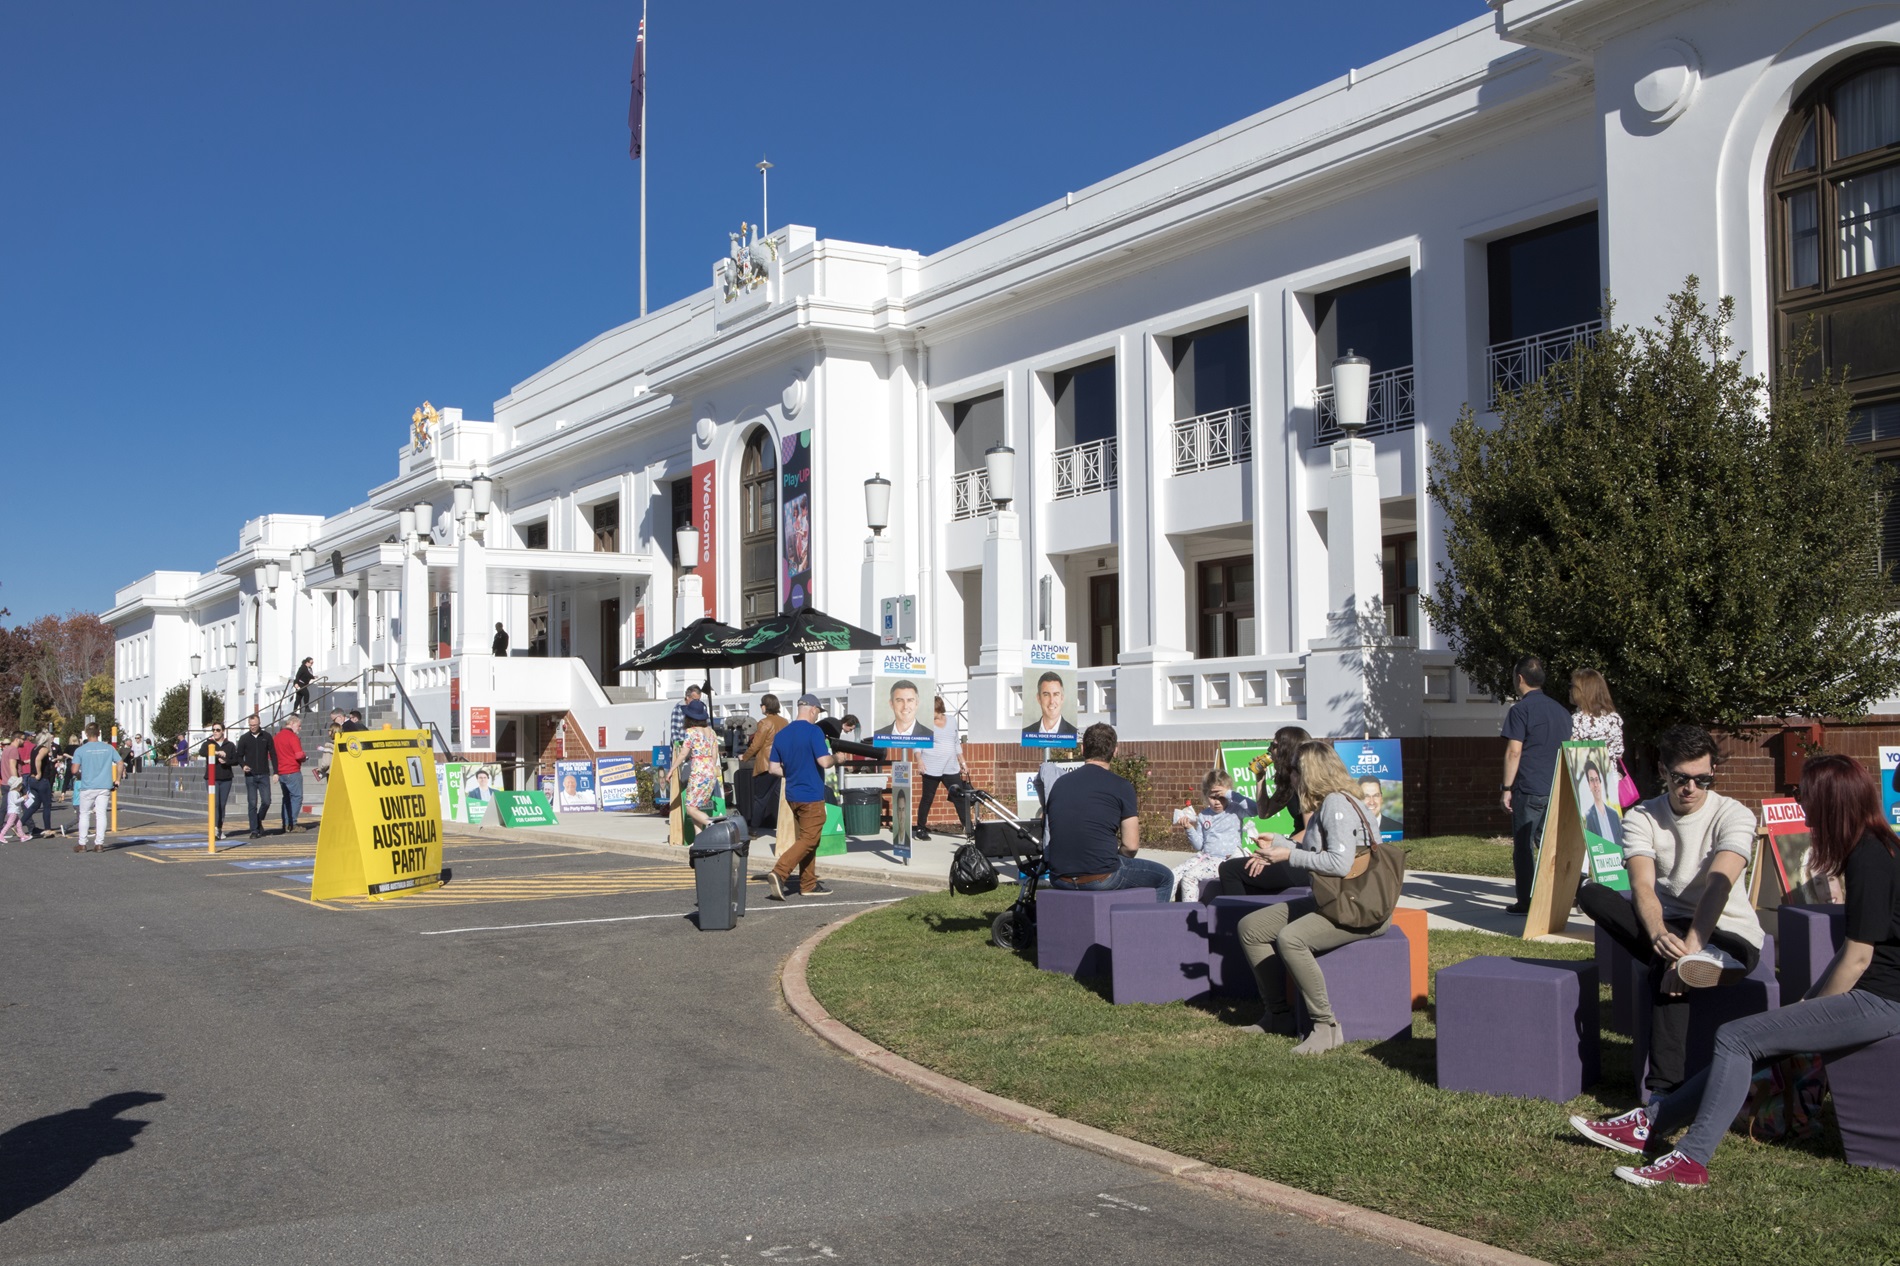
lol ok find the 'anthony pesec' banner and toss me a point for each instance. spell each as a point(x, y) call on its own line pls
point(382, 818)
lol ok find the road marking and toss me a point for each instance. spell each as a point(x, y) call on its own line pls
point(636, 918)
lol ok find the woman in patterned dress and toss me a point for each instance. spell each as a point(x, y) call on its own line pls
point(696, 759)
point(1596, 718)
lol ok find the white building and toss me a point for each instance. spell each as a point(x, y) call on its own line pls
point(1156, 350)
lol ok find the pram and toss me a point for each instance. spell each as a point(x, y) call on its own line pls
point(1010, 839)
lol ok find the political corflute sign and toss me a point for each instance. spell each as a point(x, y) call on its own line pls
point(382, 818)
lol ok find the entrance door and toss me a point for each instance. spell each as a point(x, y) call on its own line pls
point(610, 642)
point(1105, 620)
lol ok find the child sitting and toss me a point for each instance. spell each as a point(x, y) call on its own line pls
point(19, 802)
point(1215, 833)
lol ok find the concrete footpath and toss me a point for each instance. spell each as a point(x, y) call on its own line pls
point(1452, 902)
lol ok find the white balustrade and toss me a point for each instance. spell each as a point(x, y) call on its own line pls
point(1084, 468)
point(1212, 440)
point(1515, 365)
point(1388, 407)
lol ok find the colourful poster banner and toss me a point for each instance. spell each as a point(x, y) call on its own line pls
point(706, 523)
point(902, 686)
point(618, 778)
point(523, 808)
point(574, 787)
point(1593, 779)
point(1890, 784)
point(1050, 701)
point(1250, 765)
point(1380, 770)
point(795, 537)
point(382, 823)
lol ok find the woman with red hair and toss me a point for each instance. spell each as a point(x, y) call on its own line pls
point(1856, 1002)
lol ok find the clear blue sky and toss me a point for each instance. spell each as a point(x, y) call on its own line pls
point(241, 241)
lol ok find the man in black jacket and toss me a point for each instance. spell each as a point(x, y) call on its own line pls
point(258, 755)
point(221, 758)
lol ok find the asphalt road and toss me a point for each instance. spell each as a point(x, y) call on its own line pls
point(202, 1070)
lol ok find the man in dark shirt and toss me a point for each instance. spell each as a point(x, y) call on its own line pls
point(499, 648)
point(258, 755)
point(353, 724)
point(221, 757)
point(1536, 728)
point(1094, 828)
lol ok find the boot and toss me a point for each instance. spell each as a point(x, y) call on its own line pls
point(1278, 1023)
point(1324, 1037)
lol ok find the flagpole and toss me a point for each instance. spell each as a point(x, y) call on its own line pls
point(643, 173)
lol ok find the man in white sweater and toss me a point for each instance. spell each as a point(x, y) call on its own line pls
point(1687, 915)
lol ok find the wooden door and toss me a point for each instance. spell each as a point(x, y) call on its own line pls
point(1105, 620)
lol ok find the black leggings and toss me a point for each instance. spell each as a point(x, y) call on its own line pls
point(1277, 877)
point(929, 798)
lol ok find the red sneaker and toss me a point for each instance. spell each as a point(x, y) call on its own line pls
point(1675, 1170)
point(1627, 1133)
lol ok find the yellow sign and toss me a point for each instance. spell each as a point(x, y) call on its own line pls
point(382, 818)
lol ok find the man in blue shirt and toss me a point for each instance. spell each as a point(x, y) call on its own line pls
point(800, 756)
point(1536, 728)
point(96, 766)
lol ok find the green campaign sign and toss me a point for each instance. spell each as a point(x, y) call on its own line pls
point(1251, 767)
point(524, 808)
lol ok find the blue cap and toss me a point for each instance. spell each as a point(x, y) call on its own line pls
point(696, 710)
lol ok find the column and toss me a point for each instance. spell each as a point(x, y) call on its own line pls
point(1001, 654)
point(415, 609)
point(473, 628)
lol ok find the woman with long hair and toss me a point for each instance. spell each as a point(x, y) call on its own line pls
point(1253, 873)
point(1856, 1002)
point(1285, 939)
point(696, 762)
point(1593, 715)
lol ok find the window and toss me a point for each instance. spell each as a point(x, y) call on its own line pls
point(680, 495)
point(1543, 280)
point(534, 535)
point(606, 527)
point(1398, 558)
point(977, 424)
point(1211, 372)
point(1085, 403)
point(1372, 318)
point(1226, 603)
point(758, 539)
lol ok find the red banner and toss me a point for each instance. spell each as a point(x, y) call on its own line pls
point(706, 521)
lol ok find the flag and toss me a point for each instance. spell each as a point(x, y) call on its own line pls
point(637, 106)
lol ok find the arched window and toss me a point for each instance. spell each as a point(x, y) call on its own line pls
point(1834, 202)
point(758, 536)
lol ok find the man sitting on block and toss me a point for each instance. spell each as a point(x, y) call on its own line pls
point(1094, 828)
point(1687, 916)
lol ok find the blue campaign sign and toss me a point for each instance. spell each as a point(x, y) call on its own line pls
point(1377, 765)
point(662, 772)
point(275, 863)
point(1890, 783)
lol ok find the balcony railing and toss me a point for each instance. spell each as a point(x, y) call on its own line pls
point(1517, 364)
point(970, 494)
point(1085, 468)
point(1388, 407)
point(1213, 439)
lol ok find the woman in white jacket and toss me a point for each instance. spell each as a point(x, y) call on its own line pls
point(941, 762)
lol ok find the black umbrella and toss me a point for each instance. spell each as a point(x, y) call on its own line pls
point(700, 644)
point(802, 632)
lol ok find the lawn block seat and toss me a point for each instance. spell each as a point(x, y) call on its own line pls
point(1417, 931)
point(1523, 1027)
point(1862, 1081)
point(1072, 928)
point(1227, 966)
point(1370, 983)
point(1709, 1010)
point(1160, 952)
point(1808, 938)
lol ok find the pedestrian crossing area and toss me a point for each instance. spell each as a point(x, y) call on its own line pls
point(546, 886)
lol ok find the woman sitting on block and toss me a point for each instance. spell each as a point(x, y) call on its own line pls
point(1251, 872)
point(1286, 938)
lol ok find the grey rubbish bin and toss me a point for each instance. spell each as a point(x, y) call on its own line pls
point(863, 810)
point(718, 857)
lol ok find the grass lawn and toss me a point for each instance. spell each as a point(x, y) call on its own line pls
point(1459, 855)
point(1366, 1124)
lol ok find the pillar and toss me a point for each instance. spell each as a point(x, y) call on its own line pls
point(473, 628)
point(1000, 666)
point(415, 609)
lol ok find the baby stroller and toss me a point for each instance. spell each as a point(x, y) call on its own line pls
point(973, 869)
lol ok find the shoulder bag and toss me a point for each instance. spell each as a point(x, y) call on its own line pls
point(1628, 794)
point(1365, 896)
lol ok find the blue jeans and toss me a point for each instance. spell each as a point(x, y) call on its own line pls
point(292, 785)
point(1717, 1093)
point(1527, 832)
point(1134, 872)
point(257, 793)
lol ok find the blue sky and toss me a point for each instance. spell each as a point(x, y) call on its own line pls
point(240, 242)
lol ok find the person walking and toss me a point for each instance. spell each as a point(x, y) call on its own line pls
point(765, 784)
point(221, 758)
point(1535, 730)
point(940, 763)
point(290, 759)
point(696, 765)
point(43, 761)
point(19, 803)
point(99, 767)
point(258, 755)
point(10, 758)
point(306, 673)
point(800, 755)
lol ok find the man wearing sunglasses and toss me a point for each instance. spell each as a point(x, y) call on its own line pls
point(1687, 915)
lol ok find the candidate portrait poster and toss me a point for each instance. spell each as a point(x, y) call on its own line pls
point(617, 780)
point(1250, 765)
point(480, 782)
point(1380, 772)
point(1049, 698)
point(902, 687)
point(574, 787)
point(1593, 781)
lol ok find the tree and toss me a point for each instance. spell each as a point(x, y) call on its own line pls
point(29, 708)
point(174, 711)
point(1705, 538)
point(96, 701)
point(68, 651)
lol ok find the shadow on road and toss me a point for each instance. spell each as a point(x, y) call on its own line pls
point(41, 1158)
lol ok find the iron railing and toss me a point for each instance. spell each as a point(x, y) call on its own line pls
point(1388, 407)
point(1213, 439)
point(1084, 468)
point(1517, 364)
point(970, 494)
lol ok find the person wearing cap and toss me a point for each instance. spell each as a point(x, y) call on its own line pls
point(800, 755)
point(696, 763)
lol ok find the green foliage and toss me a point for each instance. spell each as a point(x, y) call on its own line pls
point(174, 711)
point(96, 700)
point(1135, 770)
point(29, 705)
point(1703, 537)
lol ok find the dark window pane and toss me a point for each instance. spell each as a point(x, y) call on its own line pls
point(1804, 239)
point(1372, 318)
point(1867, 112)
point(1864, 338)
point(1874, 422)
point(1869, 227)
point(1546, 279)
point(1085, 403)
point(1210, 370)
point(977, 425)
point(1802, 156)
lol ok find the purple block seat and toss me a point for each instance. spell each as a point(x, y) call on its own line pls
point(1808, 938)
point(1525, 1027)
point(1160, 952)
point(1709, 1010)
point(1072, 928)
point(1370, 984)
point(1228, 970)
point(1627, 979)
point(1862, 1082)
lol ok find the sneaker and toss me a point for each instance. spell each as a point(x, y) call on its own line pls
point(1627, 1133)
point(1703, 969)
point(918, 833)
point(1518, 907)
point(1673, 1170)
point(818, 889)
point(777, 886)
point(79, 848)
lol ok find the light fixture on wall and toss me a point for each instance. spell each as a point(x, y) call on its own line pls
point(877, 504)
point(1352, 382)
point(406, 527)
point(272, 574)
point(1001, 460)
point(309, 556)
point(425, 519)
point(483, 489)
point(464, 497)
point(686, 542)
point(197, 665)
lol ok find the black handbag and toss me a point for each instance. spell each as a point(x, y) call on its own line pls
point(971, 873)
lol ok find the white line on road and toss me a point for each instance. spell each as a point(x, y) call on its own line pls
point(635, 918)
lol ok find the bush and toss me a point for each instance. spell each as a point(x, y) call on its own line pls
point(174, 710)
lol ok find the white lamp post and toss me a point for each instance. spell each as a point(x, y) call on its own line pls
point(464, 494)
point(272, 573)
point(1352, 382)
point(483, 489)
point(1001, 460)
point(686, 543)
point(424, 518)
point(194, 713)
point(877, 504)
point(406, 528)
